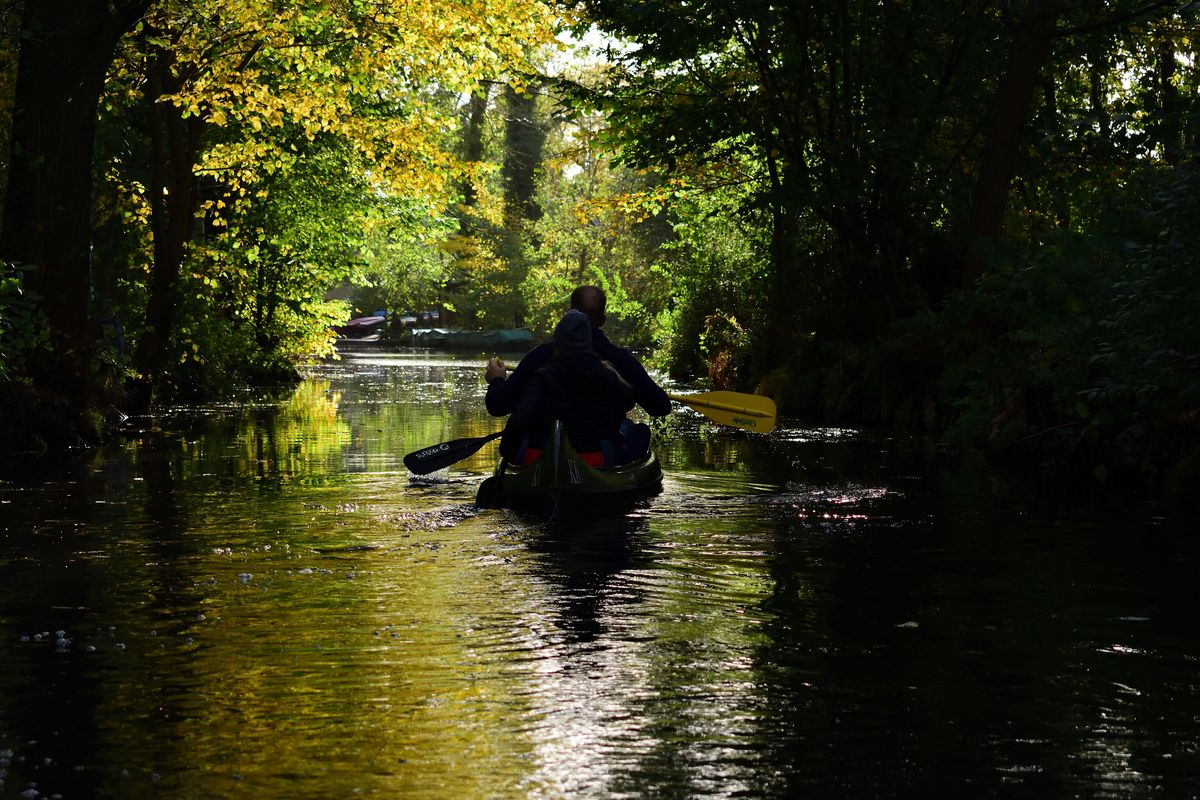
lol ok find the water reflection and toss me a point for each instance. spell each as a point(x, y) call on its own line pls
point(255, 598)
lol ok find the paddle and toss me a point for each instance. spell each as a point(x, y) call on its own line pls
point(440, 456)
point(751, 412)
point(490, 493)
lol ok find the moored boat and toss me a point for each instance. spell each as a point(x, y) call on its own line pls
point(561, 476)
point(448, 338)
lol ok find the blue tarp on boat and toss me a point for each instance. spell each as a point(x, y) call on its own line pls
point(484, 340)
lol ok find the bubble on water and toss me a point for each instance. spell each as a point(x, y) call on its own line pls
point(305, 571)
point(245, 577)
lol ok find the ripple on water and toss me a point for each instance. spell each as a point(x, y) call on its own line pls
point(266, 604)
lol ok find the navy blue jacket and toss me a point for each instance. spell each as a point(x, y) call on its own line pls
point(584, 392)
point(503, 394)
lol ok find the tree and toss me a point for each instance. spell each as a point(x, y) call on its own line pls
point(65, 50)
point(847, 122)
point(222, 78)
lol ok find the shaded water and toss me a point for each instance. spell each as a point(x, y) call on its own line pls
point(256, 601)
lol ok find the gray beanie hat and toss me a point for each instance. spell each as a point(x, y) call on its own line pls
point(573, 334)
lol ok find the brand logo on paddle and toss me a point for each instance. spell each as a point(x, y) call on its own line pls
point(433, 451)
point(747, 421)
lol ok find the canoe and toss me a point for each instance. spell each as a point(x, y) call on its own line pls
point(560, 476)
point(503, 339)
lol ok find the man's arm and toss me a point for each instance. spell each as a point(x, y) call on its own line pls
point(503, 394)
point(646, 393)
point(523, 418)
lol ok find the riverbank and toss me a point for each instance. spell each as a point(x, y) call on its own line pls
point(1024, 425)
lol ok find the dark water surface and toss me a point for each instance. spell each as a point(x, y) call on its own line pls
point(257, 601)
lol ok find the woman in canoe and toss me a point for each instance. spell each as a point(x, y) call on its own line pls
point(579, 388)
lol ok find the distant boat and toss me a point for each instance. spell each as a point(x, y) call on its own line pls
point(449, 338)
point(361, 327)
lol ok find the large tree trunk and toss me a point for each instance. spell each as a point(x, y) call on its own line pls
point(66, 49)
point(1014, 95)
point(174, 142)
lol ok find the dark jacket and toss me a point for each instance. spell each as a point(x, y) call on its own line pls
point(583, 391)
point(503, 394)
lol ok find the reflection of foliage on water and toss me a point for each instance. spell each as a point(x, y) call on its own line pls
point(395, 413)
point(303, 436)
point(300, 435)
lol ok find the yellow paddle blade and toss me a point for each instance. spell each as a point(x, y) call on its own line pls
point(750, 412)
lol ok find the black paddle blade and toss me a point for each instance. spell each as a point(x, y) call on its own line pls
point(490, 493)
point(440, 456)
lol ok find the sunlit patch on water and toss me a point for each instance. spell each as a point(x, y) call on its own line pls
point(809, 435)
point(431, 519)
point(410, 362)
point(848, 503)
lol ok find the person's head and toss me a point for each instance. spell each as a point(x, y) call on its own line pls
point(591, 301)
point(573, 334)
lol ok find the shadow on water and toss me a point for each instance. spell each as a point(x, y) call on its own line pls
point(582, 558)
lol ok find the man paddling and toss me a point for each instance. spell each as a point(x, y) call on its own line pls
point(578, 388)
point(504, 391)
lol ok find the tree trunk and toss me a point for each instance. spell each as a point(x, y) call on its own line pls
point(1169, 124)
point(1014, 95)
point(786, 283)
point(473, 148)
point(174, 142)
point(523, 141)
point(66, 48)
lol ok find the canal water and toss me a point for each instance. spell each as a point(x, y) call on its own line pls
point(257, 600)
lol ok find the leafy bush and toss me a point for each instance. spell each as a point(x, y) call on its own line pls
point(1088, 347)
point(717, 278)
point(22, 326)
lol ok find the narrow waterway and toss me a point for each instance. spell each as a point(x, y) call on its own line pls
point(257, 600)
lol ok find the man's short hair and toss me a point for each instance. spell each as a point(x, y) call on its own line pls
point(591, 301)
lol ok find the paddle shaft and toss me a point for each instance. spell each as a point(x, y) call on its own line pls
point(696, 401)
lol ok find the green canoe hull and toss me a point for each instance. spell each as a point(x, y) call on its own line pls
point(560, 475)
